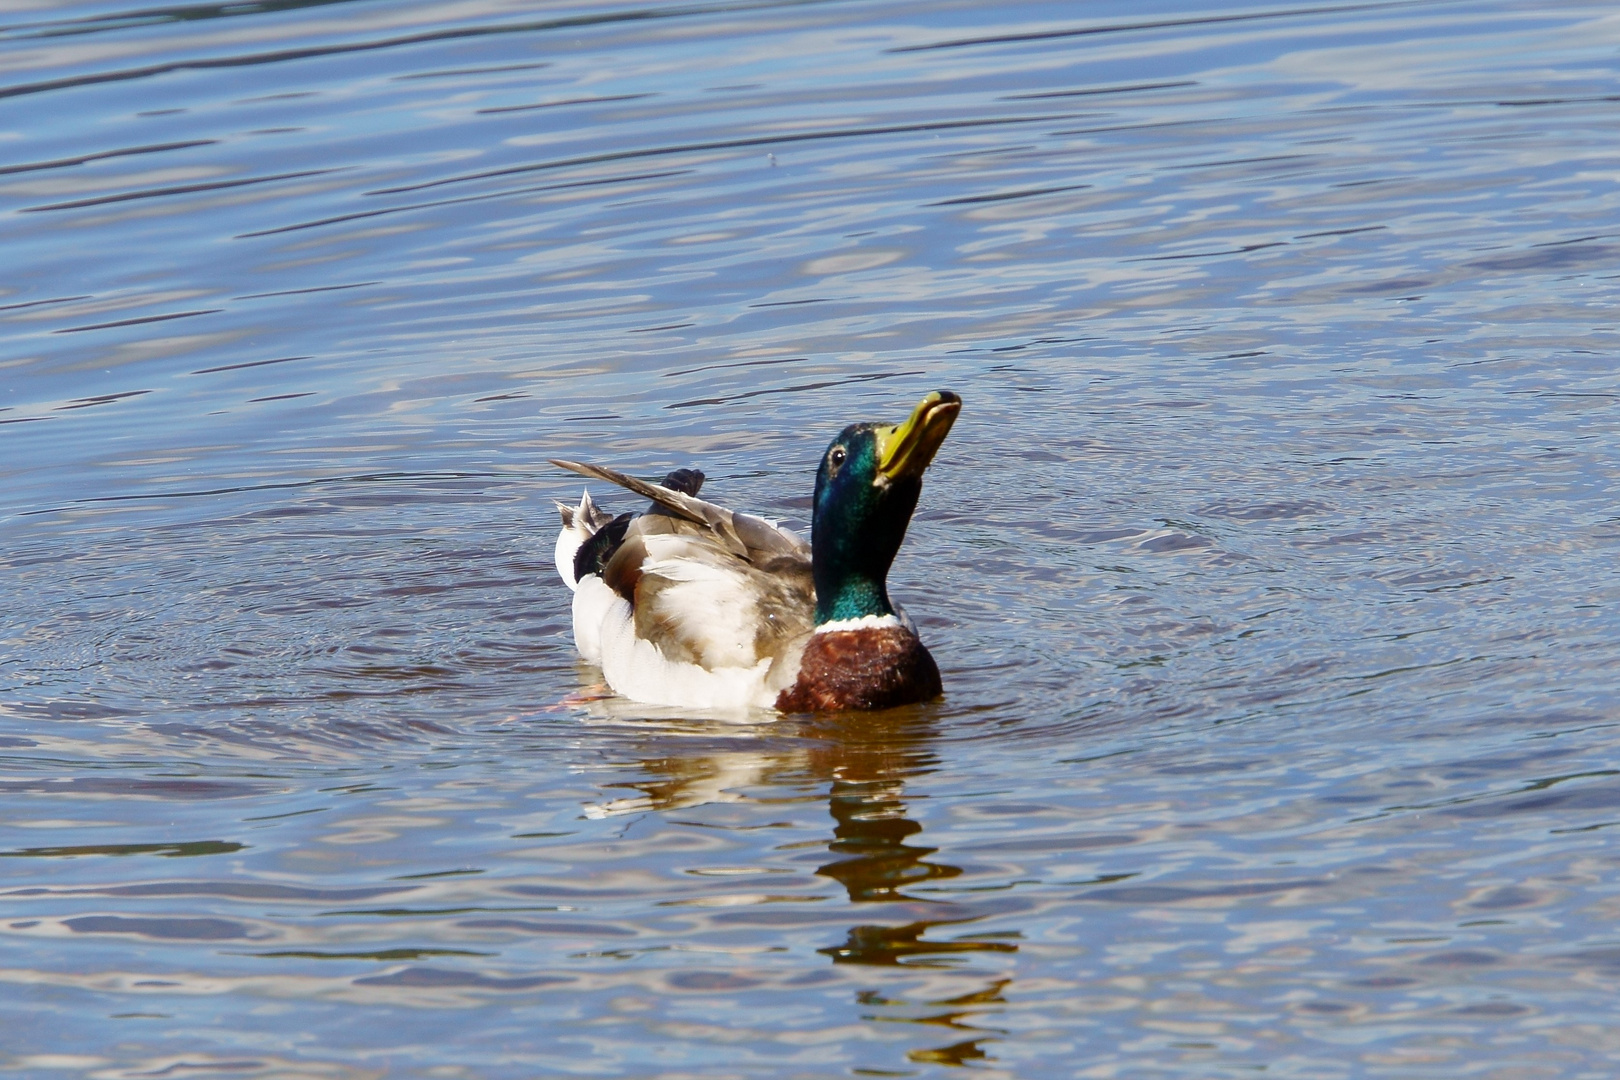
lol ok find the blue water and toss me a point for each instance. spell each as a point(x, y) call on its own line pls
point(1269, 565)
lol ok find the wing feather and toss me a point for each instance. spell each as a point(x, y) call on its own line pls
point(700, 603)
point(746, 535)
point(722, 590)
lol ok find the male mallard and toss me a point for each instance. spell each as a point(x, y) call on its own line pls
point(690, 604)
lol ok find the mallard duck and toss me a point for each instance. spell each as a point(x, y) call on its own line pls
point(690, 604)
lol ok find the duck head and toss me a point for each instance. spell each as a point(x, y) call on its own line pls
point(866, 489)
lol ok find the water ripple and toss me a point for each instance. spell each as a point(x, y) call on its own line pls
point(1269, 566)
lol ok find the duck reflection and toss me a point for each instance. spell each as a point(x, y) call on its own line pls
point(868, 780)
point(867, 761)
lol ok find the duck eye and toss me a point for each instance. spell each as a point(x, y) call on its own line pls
point(837, 456)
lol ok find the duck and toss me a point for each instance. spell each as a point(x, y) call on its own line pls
point(689, 604)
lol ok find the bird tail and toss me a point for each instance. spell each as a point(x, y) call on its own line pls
point(579, 524)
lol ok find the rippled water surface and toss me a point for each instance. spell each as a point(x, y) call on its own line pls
point(1270, 565)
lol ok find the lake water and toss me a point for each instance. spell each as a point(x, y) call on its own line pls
point(1270, 566)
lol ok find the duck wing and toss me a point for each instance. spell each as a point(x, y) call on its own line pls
point(752, 538)
point(707, 585)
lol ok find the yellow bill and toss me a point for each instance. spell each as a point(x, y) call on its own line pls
point(905, 450)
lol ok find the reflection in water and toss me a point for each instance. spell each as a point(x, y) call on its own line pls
point(904, 944)
point(696, 780)
point(872, 831)
point(867, 761)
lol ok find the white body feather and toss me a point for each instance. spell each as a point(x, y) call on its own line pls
point(638, 669)
point(706, 599)
point(592, 599)
point(865, 622)
point(579, 526)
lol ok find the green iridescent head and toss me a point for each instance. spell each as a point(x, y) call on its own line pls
point(866, 489)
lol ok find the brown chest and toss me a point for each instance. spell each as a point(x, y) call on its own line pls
point(869, 668)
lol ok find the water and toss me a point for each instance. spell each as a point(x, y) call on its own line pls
point(1269, 566)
